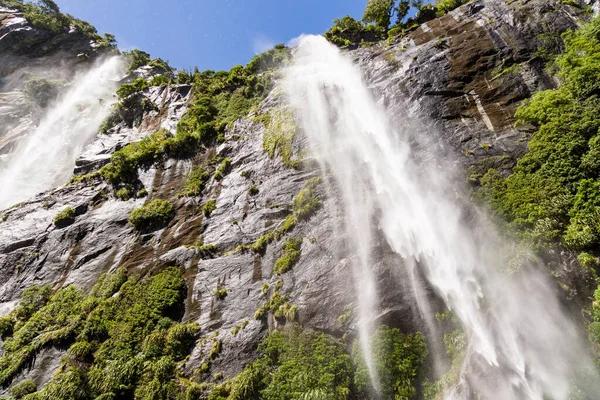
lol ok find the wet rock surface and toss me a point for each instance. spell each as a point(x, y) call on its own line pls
point(461, 76)
point(24, 46)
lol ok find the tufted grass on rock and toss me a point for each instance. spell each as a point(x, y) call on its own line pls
point(278, 138)
point(222, 169)
point(23, 388)
point(154, 215)
point(220, 294)
point(209, 207)
point(290, 256)
point(253, 190)
point(195, 181)
point(65, 217)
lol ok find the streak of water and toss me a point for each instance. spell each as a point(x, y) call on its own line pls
point(46, 156)
point(522, 345)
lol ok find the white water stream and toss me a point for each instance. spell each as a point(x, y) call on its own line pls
point(521, 345)
point(46, 156)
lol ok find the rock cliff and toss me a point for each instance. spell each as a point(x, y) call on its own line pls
point(463, 74)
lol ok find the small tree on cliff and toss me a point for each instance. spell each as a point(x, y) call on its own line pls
point(381, 12)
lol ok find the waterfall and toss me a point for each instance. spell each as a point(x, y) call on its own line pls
point(521, 344)
point(45, 157)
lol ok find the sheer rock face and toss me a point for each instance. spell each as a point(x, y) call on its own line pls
point(461, 76)
point(22, 45)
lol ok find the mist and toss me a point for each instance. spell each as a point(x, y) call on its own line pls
point(43, 156)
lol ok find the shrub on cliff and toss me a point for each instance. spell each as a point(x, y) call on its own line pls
point(124, 163)
point(128, 89)
point(397, 360)
point(445, 6)
point(347, 31)
point(152, 216)
point(122, 346)
point(296, 364)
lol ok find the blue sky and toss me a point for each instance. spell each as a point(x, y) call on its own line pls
point(210, 34)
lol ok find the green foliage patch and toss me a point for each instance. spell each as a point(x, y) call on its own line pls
point(278, 138)
point(386, 19)
point(45, 14)
point(65, 217)
point(397, 359)
point(290, 256)
point(154, 215)
point(195, 181)
point(552, 195)
point(222, 97)
point(209, 207)
point(296, 364)
point(122, 346)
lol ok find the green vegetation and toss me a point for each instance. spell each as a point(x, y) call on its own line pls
point(209, 207)
point(303, 364)
point(289, 257)
point(398, 360)
point(455, 342)
point(552, 196)
point(154, 215)
point(386, 18)
point(296, 364)
point(280, 130)
point(219, 99)
point(127, 89)
point(304, 205)
point(42, 91)
point(379, 12)
point(348, 32)
point(65, 217)
point(279, 306)
point(130, 110)
point(121, 346)
point(235, 330)
point(343, 318)
point(222, 97)
point(138, 58)
point(222, 169)
point(220, 294)
point(253, 190)
point(194, 183)
point(445, 6)
point(503, 69)
point(125, 163)
point(206, 250)
point(23, 388)
point(45, 14)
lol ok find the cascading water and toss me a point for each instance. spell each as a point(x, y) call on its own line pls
point(46, 156)
point(521, 345)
